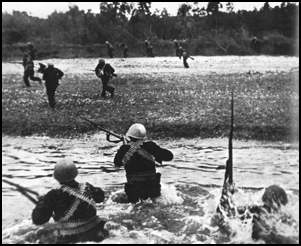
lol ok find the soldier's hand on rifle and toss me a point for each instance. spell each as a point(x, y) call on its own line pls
point(108, 137)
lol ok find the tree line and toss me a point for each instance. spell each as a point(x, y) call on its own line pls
point(207, 30)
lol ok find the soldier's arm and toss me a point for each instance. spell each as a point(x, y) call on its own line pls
point(97, 70)
point(97, 193)
point(112, 69)
point(24, 61)
point(159, 153)
point(44, 209)
point(59, 73)
point(119, 155)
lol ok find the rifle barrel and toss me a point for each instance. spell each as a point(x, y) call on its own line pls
point(101, 128)
point(24, 191)
point(230, 142)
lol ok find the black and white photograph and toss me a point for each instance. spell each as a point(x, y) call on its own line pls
point(150, 122)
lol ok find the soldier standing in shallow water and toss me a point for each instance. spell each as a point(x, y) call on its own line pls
point(105, 72)
point(139, 159)
point(72, 206)
point(110, 49)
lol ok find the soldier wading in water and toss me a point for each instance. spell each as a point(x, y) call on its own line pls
point(72, 206)
point(139, 159)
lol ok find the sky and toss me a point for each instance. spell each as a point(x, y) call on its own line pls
point(43, 9)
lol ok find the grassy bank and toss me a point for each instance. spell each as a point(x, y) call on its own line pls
point(266, 105)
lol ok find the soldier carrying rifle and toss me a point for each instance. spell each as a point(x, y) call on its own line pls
point(29, 66)
point(105, 72)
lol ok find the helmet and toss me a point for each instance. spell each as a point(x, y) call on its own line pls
point(137, 131)
point(65, 171)
point(50, 65)
point(274, 195)
point(107, 42)
point(101, 61)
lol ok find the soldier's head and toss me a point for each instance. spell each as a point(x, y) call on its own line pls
point(41, 68)
point(136, 132)
point(65, 171)
point(29, 45)
point(274, 197)
point(107, 42)
point(101, 62)
point(50, 65)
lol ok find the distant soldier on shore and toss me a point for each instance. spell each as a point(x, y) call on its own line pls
point(185, 57)
point(28, 65)
point(31, 50)
point(125, 50)
point(255, 44)
point(177, 46)
point(110, 49)
point(180, 52)
point(148, 48)
point(146, 44)
point(105, 72)
point(150, 51)
point(51, 75)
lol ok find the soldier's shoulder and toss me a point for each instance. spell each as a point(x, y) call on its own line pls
point(150, 144)
point(52, 194)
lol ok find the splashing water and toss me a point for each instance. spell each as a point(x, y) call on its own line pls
point(191, 189)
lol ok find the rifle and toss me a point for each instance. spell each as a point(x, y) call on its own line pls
point(229, 164)
point(226, 202)
point(15, 62)
point(24, 191)
point(120, 137)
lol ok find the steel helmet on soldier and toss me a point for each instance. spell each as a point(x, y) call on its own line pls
point(274, 194)
point(65, 171)
point(136, 131)
point(101, 61)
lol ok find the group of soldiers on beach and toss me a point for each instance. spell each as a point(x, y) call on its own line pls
point(103, 70)
point(73, 205)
